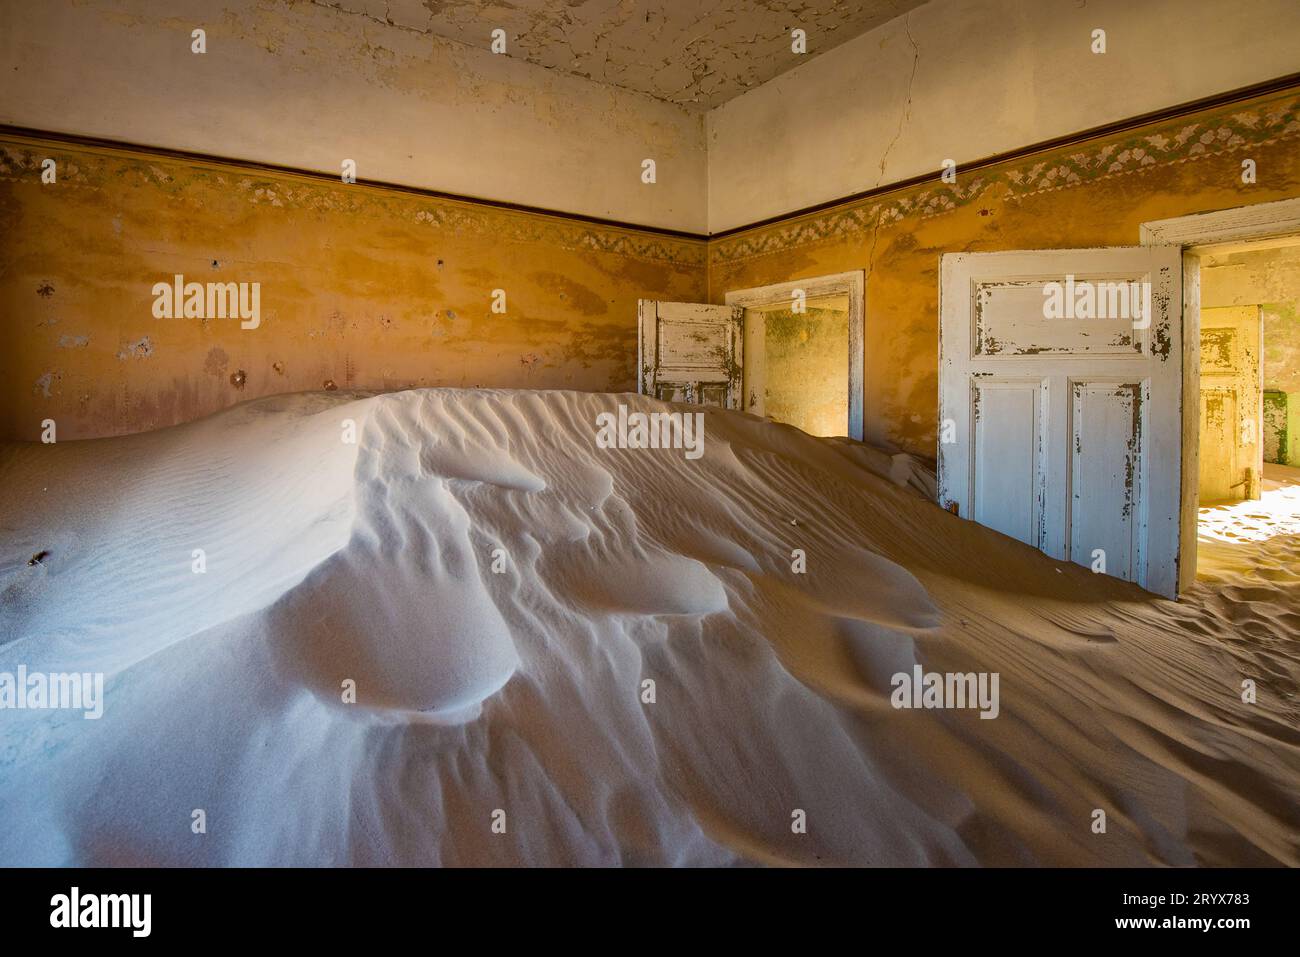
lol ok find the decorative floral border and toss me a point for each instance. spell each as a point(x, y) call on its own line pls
point(1261, 123)
point(1224, 130)
point(103, 168)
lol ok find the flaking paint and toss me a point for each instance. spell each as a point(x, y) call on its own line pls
point(1085, 195)
point(361, 287)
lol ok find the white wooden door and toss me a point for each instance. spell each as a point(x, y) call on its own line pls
point(690, 352)
point(1232, 404)
point(1061, 403)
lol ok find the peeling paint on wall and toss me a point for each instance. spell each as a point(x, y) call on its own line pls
point(351, 294)
point(142, 348)
point(358, 72)
point(216, 361)
point(333, 260)
point(1091, 194)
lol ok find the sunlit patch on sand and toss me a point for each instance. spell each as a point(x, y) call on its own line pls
point(1276, 512)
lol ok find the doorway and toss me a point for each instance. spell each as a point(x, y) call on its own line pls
point(1249, 394)
point(803, 352)
point(1241, 283)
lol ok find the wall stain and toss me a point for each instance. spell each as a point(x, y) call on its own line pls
point(303, 235)
point(142, 348)
point(216, 361)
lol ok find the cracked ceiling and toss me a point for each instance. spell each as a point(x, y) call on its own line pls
point(687, 52)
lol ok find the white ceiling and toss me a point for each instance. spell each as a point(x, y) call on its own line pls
point(691, 52)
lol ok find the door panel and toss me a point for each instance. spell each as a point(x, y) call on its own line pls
point(1009, 320)
point(1061, 402)
point(690, 352)
point(1232, 453)
point(1105, 473)
point(1009, 471)
point(1220, 462)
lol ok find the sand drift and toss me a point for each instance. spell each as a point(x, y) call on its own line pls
point(476, 636)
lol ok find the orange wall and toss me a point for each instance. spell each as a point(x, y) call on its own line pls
point(1095, 193)
point(361, 287)
point(366, 287)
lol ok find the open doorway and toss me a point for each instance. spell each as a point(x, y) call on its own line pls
point(797, 368)
point(790, 351)
point(1241, 287)
point(803, 352)
point(1249, 415)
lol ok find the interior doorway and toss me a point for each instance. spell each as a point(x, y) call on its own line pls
point(1241, 282)
point(1249, 392)
point(803, 355)
point(797, 368)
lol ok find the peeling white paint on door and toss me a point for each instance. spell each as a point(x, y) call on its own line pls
point(1065, 433)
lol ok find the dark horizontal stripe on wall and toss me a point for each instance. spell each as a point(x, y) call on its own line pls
point(1281, 84)
point(75, 139)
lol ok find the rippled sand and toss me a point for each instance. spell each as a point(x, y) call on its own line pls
point(499, 590)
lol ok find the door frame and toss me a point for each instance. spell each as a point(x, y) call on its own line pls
point(1217, 230)
point(853, 283)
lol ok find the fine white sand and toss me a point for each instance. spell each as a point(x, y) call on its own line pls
point(521, 691)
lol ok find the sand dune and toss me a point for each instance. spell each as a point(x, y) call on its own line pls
point(512, 680)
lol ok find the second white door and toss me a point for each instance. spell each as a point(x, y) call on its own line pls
point(1061, 403)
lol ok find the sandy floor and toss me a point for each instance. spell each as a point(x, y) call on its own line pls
point(1276, 512)
point(500, 590)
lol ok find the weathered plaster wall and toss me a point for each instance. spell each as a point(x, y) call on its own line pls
point(372, 288)
point(1269, 278)
point(307, 85)
point(1281, 427)
point(1282, 344)
point(968, 79)
point(1090, 194)
point(353, 291)
point(361, 287)
point(1289, 442)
